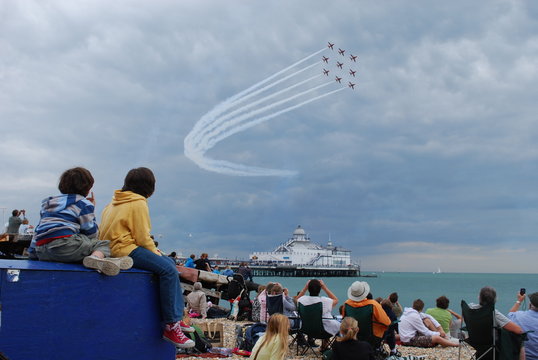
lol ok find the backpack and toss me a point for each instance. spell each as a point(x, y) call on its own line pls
point(201, 343)
point(252, 334)
point(247, 335)
point(245, 308)
point(236, 286)
point(256, 310)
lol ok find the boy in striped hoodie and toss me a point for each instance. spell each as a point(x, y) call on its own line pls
point(67, 231)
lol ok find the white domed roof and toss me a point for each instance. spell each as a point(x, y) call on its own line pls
point(299, 231)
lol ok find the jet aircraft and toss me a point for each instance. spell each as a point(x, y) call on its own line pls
point(337, 79)
point(351, 85)
point(339, 64)
point(353, 58)
point(352, 73)
point(341, 52)
point(326, 59)
point(326, 72)
point(330, 46)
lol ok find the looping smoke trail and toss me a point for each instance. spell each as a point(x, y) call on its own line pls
point(228, 117)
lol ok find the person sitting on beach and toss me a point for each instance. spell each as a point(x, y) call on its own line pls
point(347, 346)
point(314, 287)
point(397, 309)
point(273, 345)
point(125, 221)
point(421, 330)
point(67, 231)
point(357, 295)
point(203, 263)
point(444, 315)
point(528, 321)
point(288, 306)
point(488, 296)
point(190, 262)
point(227, 271)
point(390, 333)
point(262, 298)
point(197, 301)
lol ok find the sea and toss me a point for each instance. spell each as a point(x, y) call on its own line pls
point(425, 286)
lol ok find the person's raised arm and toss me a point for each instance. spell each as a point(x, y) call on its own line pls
point(303, 291)
point(520, 298)
point(329, 293)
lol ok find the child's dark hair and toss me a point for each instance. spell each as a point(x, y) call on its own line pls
point(140, 181)
point(76, 181)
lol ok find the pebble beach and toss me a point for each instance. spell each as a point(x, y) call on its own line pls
point(436, 353)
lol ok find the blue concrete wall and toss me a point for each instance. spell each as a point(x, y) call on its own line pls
point(65, 311)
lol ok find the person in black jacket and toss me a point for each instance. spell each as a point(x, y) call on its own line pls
point(347, 347)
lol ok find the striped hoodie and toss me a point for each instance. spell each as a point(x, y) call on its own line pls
point(65, 215)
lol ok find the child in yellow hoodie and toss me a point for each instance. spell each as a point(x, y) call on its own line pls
point(126, 223)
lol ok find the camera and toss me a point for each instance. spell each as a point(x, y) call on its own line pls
point(522, 291)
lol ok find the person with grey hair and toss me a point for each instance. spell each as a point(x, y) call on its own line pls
point(197, 301)
point(528, 321)
point(488, 296)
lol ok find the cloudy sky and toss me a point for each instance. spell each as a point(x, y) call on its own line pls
point(431, 161)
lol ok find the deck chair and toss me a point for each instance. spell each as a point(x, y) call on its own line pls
point(489, 341)
point(311, 327)
point(274, 304)
point(364, 316)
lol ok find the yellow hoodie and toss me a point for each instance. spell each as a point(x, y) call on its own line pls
point(125, 222)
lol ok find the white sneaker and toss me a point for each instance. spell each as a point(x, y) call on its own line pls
point(124, 262)
point(104, 266)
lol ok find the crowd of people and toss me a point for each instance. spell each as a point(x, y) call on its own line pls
point(67, 232)
point(392, 323)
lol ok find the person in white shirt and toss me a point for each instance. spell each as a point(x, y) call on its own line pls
point(314, 287)
point(422, 330)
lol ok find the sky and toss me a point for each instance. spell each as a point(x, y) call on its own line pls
point(431, 162)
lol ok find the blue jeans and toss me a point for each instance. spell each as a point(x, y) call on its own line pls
point(170, 292)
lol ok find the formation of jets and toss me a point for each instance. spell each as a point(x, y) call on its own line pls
point(340, 65)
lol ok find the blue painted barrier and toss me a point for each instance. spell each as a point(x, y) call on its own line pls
point(65, 311)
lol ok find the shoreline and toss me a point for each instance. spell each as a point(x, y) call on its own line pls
point(435, 353)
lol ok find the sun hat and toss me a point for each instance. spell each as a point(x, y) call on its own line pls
point(358, 291)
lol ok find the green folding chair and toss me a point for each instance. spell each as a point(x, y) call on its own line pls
point(365, 317)
point(489, 341)
point(311, 327)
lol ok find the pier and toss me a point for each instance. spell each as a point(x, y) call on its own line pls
point(304, 271)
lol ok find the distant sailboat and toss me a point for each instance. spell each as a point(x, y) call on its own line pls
point(438, 271)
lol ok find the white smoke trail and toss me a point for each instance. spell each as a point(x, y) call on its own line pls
point(255, 122)
point(229, 118)
point(229, 168)
point(231, 103)
point(235, 121)
point(223, 106)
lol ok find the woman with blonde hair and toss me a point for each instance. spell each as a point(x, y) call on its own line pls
point(347, 346)
point(273, 345)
